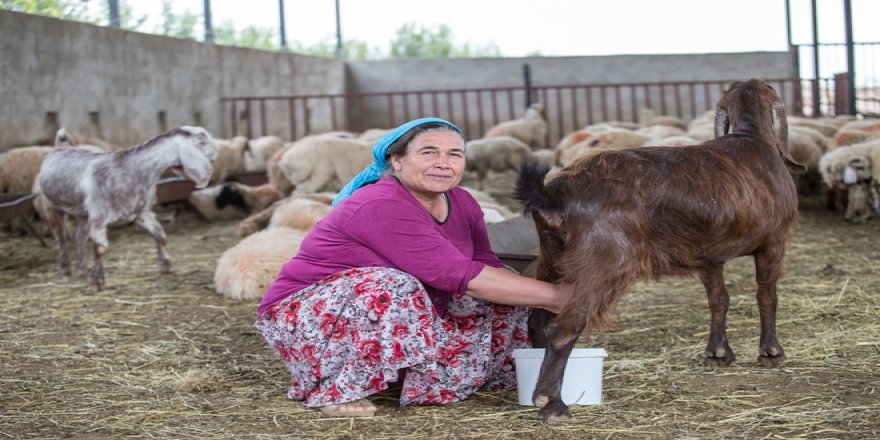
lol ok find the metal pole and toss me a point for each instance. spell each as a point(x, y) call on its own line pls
point(788, 23)
point(209, 28)
point(283, 31)
point(817, 108)
point(527, 78)
point(114, 13)
point(850, 59)
point(338, 34)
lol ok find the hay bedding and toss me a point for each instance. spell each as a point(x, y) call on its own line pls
point(156, 356)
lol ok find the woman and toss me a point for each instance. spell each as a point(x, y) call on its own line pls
point(399, 280)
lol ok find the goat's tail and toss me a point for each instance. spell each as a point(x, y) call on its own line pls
point(530, 190)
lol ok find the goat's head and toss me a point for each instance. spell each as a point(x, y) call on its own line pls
point(64, 139)
point(196, 151)
point(754, 104)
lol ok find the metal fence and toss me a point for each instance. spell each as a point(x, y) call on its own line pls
point(832, 83)
point(567, 107)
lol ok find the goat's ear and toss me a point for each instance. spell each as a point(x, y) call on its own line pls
point(195, 164)
point(779, 122)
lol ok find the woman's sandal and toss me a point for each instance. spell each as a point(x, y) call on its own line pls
point(357, 408)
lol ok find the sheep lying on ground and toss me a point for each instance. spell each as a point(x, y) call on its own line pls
point(246, 270)
point(320, 163)
point(232, 200)
point(296, 212)
point(500, 153)
point(610, 139)
point(530, 129)
point(857, 131)
point(259, 150)
point(230, 158)
point(648, 118)
point(97, 189)
point(493, 210)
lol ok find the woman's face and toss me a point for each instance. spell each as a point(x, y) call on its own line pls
point(433, 163)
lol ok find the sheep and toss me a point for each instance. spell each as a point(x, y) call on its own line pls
point(298, 212)
point(19, 168)
point(230, 159)
point(246, 270)
point(857, 131)
point(493, 210)
point(320, 163)
point(96, 189)
point(259, 150)
point(648, 118)
point(617, 217)
point(500, 153)
point(861, 188)
point(610, 139)
point(832, 165)
point(232, 200)
point(804, 148)
point(530, 129)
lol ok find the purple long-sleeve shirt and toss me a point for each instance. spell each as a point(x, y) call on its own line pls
point(384, 225)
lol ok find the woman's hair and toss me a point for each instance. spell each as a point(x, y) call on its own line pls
point(399, 147)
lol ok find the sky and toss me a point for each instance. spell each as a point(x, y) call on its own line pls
point(555, 27)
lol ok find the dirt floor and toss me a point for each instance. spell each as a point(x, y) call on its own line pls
point(164, 356)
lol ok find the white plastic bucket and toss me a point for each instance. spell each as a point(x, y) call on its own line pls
point(581, 385)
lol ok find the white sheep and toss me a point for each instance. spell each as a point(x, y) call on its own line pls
point(97, 189)
point(230, 158)
point(862, 188)
point(806, 146)
point(300, 212)
point(608, 139)
point(530, 129)
point(493, 210)
point(649, 118)
point(259, 150)
point(246, 270)
point(232, 200)
point(320, 163)
point(500, 153)
point(832, 166)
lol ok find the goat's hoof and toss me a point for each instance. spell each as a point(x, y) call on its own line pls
point(772, 357)
point(721, 357)
point(540, 401)
point(555, 412)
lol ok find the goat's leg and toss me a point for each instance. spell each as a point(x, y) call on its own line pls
point(55, 221)
point(562, 334)
point(768, 269)
point(147, 220)
point(98, 234)
point(718, 352)
point(80, 239)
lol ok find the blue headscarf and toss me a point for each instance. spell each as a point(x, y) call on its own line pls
point(374, 172)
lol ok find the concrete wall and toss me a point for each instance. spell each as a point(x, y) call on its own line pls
point(397, 75)
point(127, 87)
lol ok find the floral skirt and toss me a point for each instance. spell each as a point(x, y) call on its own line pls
point(349, 335)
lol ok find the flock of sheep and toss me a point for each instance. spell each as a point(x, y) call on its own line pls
point(304, 175)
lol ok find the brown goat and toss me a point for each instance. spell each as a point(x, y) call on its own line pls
point(611, 219)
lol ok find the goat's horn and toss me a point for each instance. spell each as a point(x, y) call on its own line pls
point(722, 122)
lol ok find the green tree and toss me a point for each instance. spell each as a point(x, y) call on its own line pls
point(64, 9)
point(352, 49)
point(253, 37)
point(181, 25)
point(413, 41)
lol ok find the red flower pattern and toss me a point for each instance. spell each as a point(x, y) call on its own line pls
point(332, 338)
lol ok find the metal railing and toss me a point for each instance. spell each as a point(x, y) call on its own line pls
point(567, 107)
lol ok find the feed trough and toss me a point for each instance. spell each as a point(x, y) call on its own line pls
point(20, 206)
point(515, 242)
point(250, 178)
point(173, 190)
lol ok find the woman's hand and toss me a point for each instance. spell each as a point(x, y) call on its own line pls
point(504, 287)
